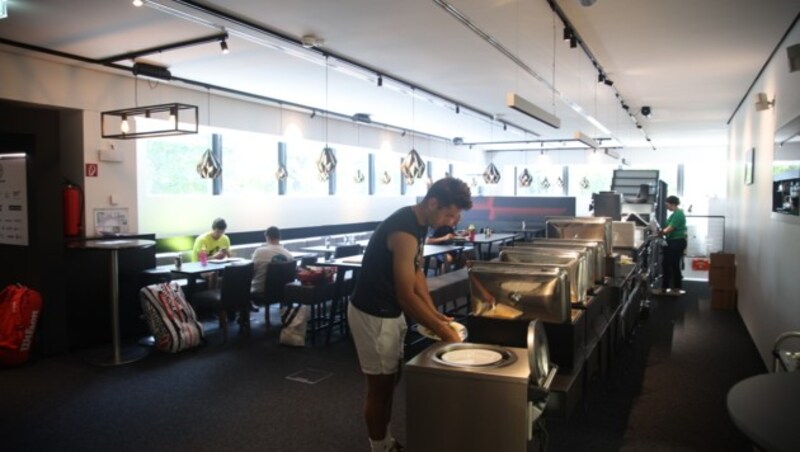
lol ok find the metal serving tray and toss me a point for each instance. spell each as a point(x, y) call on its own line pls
point(521, 291)
point(593, 249)
point(590, 228)
point(580, 280)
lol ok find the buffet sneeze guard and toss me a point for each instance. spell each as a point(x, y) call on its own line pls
point(587, 228)
point(580, 280)
point(506, 290)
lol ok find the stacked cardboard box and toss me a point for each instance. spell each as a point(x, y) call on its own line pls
point(722, 279)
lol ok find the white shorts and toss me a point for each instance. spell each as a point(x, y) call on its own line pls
point(379, 341)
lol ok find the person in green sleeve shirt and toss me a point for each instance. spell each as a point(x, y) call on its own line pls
point(675, 233)
point(217, 244)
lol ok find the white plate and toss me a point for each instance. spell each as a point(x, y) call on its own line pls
point(472, 357)
point(460, 329)
point(225, 260)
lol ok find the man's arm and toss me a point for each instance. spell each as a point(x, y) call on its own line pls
point(404, 249)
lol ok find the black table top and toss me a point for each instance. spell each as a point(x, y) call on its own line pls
point(765, 408)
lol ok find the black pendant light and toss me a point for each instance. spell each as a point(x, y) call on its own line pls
point(491, 175)
point(413, 167)
point(208, 167)
point(525, 179)
point(281, 174)
point(326, 164)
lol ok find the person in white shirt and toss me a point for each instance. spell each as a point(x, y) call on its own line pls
point(272, 251)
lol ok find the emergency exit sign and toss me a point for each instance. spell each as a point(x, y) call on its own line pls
point(91, 170)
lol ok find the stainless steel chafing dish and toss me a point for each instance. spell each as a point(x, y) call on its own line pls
point(593, 249)
point(596, 229)
point(580, 280)
point(520, 291)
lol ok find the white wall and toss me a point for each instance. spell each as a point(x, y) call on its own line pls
point(49, 82)
point(767, 250)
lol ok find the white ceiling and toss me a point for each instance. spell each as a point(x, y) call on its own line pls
point(691, 61)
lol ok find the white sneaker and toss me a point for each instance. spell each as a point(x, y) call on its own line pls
point(395, 446)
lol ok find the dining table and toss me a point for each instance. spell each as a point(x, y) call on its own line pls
point(118, 355)
point(764, 408)
point(483, 242)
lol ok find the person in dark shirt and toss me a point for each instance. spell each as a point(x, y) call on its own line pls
point(391, 283)
point(444, 235)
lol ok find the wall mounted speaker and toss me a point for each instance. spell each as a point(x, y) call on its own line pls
point(793, 52)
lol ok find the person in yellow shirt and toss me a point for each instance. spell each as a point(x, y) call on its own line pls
point(216, 243)
point(217, 246)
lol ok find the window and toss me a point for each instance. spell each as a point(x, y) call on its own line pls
point(547, 181)
point(352, 171)
point(250, 161)
point(387, 173)
point(167, 165)
point(301, 163)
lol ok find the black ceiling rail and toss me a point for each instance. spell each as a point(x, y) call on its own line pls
point(763, 68)
point(314, 111)
point(291, 40)
point(176, 45)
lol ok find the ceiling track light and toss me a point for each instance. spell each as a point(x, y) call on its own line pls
point(763, 102)
point(573, 42)
point(567, 34)
point(223, 46)
point(608, 82)
point(601, 77)
point(646, 111)
point(380, 80)
point(138, 3)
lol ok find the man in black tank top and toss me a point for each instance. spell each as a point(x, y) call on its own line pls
point(390, 283)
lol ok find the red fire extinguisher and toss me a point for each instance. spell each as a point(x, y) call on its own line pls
point(73, 209)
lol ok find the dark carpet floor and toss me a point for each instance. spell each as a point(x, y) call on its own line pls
point(665, 390)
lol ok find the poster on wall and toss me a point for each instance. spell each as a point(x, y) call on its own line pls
point(749, 161)
point(112, 221)
point(13, 199)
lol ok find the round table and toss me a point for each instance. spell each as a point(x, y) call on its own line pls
point(117, 355)
point(765, 407)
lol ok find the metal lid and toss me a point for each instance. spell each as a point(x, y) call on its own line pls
point(538, 353)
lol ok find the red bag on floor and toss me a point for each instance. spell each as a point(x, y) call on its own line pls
point(20, 308)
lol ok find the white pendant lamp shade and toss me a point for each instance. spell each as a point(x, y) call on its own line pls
point(491, 175)
point(413, 167)
point(209, 167)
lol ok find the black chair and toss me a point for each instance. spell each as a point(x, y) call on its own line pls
point(345, 284)
point(232, 296)
point(274, 290)
point(347, 250)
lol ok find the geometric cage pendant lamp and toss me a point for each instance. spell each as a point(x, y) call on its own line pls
point(149, 121)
